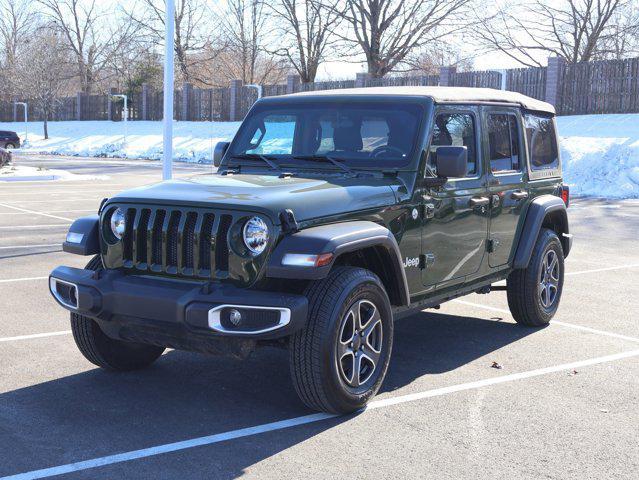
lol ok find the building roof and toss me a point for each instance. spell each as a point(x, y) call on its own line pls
point(444, 95)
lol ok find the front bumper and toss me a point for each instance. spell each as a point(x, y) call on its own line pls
point(169, 312)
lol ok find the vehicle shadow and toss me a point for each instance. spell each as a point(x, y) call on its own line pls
point(183, 396)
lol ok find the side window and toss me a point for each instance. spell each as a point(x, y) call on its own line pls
point(274, 136)
point(542, 142)
point(503, 141)
point(455, 129)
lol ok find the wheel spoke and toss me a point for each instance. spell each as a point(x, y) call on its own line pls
point(369, 313)
point(343, 349)
point(373, 336)
point(357, 369)
point(552, 293)
point(348, 366)
point(367, 365)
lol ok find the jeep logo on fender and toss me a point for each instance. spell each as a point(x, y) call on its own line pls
point(411, 262)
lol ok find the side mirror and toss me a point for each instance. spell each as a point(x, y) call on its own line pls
point(451, 162)
point(218, 152)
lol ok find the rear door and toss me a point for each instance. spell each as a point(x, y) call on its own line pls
point(456, 218)
point(507, 186)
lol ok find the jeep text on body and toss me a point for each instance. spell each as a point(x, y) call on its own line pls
point(332, 215)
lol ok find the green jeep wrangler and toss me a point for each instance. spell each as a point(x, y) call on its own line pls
point(331, 216)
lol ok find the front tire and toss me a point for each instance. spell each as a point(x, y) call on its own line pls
point(534, 292)
point(339, 360)
point(106, 352)
point(9, 146)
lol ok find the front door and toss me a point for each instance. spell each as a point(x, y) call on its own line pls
point(456, 215)
point(504, 150)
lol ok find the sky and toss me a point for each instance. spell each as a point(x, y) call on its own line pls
point(339, 70)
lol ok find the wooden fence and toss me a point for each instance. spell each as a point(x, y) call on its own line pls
point(584, 88)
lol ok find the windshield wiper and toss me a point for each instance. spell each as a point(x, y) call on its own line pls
point(324, 158)
point(257, 156)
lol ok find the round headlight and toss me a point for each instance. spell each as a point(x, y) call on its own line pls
point(255, 235)
point(118, 223)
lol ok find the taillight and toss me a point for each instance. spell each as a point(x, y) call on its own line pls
point(564, 192)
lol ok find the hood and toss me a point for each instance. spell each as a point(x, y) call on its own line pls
point(307, 196)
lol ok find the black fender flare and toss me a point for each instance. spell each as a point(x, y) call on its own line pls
point(539, 209)
point(83, 237)
point(337, 238)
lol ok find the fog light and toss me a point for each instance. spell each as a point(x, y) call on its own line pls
point(235, 317)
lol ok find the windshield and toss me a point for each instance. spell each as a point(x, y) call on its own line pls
point(361, 135)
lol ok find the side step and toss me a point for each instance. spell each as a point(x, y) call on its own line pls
point(489, 288)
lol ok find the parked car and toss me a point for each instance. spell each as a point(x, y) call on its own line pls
point(5, 157)
point(9, 140)
point(331, 216)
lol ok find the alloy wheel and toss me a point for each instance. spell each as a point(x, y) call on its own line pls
point(359, 346)
point(549, 279)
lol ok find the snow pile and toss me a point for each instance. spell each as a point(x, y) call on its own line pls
point(15, 173)
point(600, 152)
point(192, 141)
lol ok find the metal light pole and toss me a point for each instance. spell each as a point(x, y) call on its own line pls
point(256, 87)
point(125, 114)
point(504, 77)
point(169, 33)
point(26, 120)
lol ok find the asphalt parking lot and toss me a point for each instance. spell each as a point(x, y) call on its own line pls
point(565, 403)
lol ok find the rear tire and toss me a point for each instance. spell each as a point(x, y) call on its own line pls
point(339, 360)
point(9, 146)
point(106, 352)
point(535, 291)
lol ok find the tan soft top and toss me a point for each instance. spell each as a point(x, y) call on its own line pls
point(444, 95)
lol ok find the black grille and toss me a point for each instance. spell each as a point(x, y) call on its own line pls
point(177, 242)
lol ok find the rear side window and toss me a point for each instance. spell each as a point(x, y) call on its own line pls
point(503, 140)
point(458, 130)
point(542, 142)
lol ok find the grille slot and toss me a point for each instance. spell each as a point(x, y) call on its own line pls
point(140, 233)
point(205, 242)
point(222, 244)
point(177, 242)
point(188, 240)
point(157, 240)
point(172, 241)
point(128, 235)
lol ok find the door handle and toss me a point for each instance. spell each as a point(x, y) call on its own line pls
point(519, 195)
point(479, 201)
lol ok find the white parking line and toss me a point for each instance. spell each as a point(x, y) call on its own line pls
point(16, 247)
point(61, 200)
point(35, 335)
point(605, 269)
point(554, 322)
point(25, 279)
point(91, 210)
point(22, 227)
point(24, 210)
point(305, 420)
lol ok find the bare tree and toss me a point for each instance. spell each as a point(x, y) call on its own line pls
point(387, 31)
point(306, 31)
point(92, 34)
point(43, 71)
point(575, 30)
point(429, 60)
point(196, 42)
point(246, 30)
point(17, 20)
point(623, 38)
